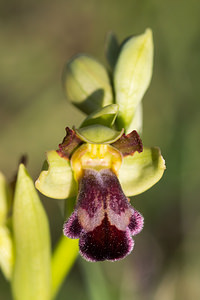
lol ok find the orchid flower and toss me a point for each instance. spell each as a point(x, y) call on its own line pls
point(103, 162)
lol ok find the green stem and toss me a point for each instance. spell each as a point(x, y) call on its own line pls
point(63, 259)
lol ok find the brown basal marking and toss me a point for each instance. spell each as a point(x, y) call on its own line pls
point(128, 144)
point(104, 220)
point(69, 144)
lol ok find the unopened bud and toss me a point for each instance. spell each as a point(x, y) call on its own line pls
point(87, 84)
point(132, 75)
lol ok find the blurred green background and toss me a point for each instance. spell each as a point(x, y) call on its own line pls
point(36, 39)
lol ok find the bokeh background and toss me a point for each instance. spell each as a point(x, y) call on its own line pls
point(36, 39)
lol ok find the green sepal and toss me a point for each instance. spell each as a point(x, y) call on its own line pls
point(141, 171)
point(6, 252)
point(105, 116)
point(32, 269)
point(58, 181)
point(87, 84)
point(132, 75)
point(98, 134)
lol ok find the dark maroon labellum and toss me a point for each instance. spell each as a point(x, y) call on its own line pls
point(103, 220)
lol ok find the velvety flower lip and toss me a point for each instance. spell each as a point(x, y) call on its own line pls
point(103, 220)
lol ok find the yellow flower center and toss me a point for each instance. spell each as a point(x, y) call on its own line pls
point(95, 156)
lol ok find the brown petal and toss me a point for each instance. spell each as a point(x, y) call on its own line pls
point(128, 144)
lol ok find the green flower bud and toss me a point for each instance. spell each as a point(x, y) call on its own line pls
point(32, 269)
point(87, 84)
point(132, 75)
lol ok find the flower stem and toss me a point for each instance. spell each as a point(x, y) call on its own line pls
point(62, 260)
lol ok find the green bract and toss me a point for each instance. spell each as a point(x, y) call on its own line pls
point(32, 270)
point(87, 84)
